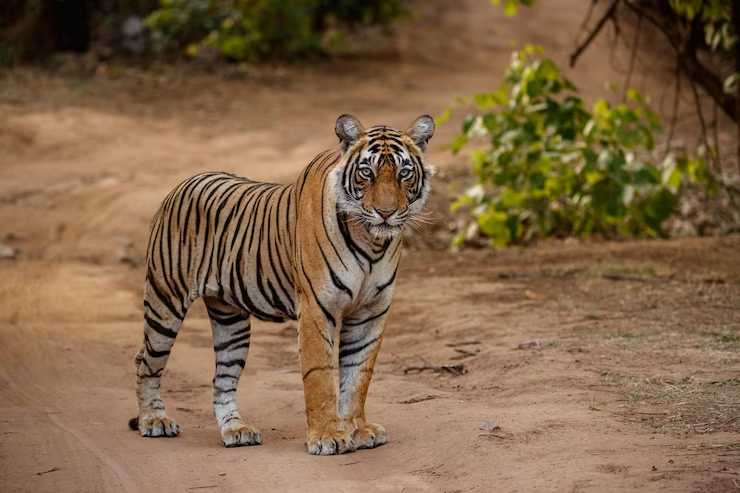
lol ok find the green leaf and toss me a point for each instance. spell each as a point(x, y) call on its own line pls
point(494, 225)
point(510, 8)
point(731, 82)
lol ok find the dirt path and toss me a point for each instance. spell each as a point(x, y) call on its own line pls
point(632, 381)
point(624, 333)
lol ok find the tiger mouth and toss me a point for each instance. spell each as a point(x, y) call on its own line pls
point(385, 229)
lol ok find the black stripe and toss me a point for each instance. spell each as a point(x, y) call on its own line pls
point(225, 345)
point(316, 368)
point(350, 365)
point(221, 243)
point(354, 248)
point(152, 373)
point(159, 328)
point(240, 228)
point(213, 197)
point(245, 330)
point(217, 312)
point(190, 191)
point(162, 298)
point(240, 346)
point(343, 353)
point(323, 224)
point(381, 287)
point(149, 307)
point(226, 321)
point(229, 364)
point(334, 278)
point(369, 319)
point(163, 264)
point(151, 351)
point(222, 390)
point(326, 312)
point(246, 302)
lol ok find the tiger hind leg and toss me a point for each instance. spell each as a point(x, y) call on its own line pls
point(160, 329)
point(231, 335)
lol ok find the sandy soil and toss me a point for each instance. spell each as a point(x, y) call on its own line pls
point(584, 367)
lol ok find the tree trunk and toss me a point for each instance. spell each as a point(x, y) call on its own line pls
point(34, 29)
point(736, 23)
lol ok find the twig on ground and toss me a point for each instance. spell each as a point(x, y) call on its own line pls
point(501, 435)
point(414, 400)
point(592, 406)
point(462, 343)
point(534, 344)
point(614, 276)
point(462, 353)
point(53, 469)
point(456, 369)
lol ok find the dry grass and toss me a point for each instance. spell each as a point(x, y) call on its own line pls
point(684, 405)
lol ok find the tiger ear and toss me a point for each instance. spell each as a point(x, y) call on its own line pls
point(421, 131)
point(348, 129)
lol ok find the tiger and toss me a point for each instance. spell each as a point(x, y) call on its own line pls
point(323, 250)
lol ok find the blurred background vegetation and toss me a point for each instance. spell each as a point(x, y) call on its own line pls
point(234, 30)
point(544, 162)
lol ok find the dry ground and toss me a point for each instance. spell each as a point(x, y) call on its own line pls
point(571, 367)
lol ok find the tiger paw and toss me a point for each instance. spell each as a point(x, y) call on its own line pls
point(370, 435)
point(238, 434)
point(157, 425)
point(329, 442)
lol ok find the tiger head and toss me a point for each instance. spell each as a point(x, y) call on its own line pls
point(383, 181)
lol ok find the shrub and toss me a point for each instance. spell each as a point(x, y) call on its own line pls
point(254, 30)
point(556, 168)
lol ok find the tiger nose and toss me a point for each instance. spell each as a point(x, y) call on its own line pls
point(385, 213)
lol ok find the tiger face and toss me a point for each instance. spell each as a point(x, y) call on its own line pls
point(383, 182)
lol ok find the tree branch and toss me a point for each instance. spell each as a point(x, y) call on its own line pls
point(633, 58)
point(700, 113)
point(736, 25)
point(692, 67)
point(599, 25)
point(676, 102)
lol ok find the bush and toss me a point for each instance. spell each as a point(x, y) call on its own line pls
point(252, 30)
point(554, 168)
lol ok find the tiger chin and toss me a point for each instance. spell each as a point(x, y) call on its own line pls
point(323, 250)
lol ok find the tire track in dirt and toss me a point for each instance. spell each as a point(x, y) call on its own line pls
point(127, 482)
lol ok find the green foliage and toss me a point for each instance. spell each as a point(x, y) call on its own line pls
point(554, 168)
point(716, 18)
point(511, 7)
point(255, 30)
point(8, 54)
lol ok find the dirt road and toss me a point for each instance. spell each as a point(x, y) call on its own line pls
point(628, 375)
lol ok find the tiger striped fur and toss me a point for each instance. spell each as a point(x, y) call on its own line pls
point(324, 251)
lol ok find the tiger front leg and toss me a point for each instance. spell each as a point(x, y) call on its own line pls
point(326, 433)
point(360, 344)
